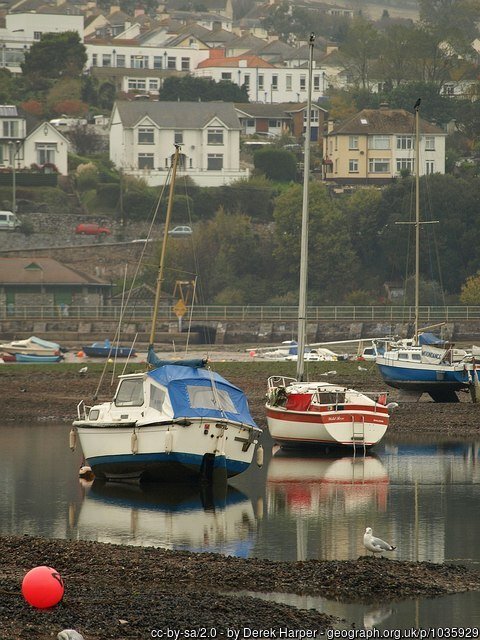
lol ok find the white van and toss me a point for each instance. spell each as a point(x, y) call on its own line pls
point(9, 221)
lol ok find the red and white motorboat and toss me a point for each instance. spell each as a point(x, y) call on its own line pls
point(322, 414)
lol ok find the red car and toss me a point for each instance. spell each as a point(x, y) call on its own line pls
point(92, 229)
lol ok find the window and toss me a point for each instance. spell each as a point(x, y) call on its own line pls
point(178, 137)
point(274, 124)
point(121, 60)
point(205, 398)
point(303, 83)
point(171, 62)
point(260, 82)
point(429, 167)
point(429, 143)
point(10, 129)
point(106, 60)
point(157, 396)
point(137, 83)
point(353, 166)
point(214, 162)
point(250, 123)
point(353, 142)
point(316, 83)
point(215, 136)
point(379, 142)
point(405, 142)
point(130, 393)
point(226, 75)
point(139, 62)
point(153, 84)
point(37, 35)
point(406, 164)
point(185, 63)
point(246, 81)
point(146, 135)
point(289, 82)
point(379, 165)
point(94, 60)
point(45, 152)
point(158, 62)
point(145, 161)
point(274, 83)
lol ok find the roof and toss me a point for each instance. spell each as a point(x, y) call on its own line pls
point(28, 271)
point(8, 111)
point(176, 115)
point(252, 62)
point(273, 109)
point(388, 121)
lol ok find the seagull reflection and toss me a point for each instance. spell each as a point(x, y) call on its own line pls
point(374, 617)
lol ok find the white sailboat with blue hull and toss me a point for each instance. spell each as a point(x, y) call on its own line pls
point(414, 365)
point(176, 421)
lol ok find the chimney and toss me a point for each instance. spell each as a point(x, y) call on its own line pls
point(217, 54)
point(330, 125)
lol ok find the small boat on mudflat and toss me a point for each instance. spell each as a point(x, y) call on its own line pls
point(106, 349)
point(31, 358)
point(32, 346)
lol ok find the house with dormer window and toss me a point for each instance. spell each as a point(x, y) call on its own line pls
point(376, 145)
point(143, 136)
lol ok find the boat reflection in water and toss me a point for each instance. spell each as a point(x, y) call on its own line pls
point(192, 518)
point(330, 497)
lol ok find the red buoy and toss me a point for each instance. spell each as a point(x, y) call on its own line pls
point(42, 587)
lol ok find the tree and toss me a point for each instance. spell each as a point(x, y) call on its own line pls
point(276, 164)
point(360, 48)
point(332, 264)
point(84, 139)
point(470, 293)
point(453, 21)
point(396, 60)
point(56, 55)
point(190, 89)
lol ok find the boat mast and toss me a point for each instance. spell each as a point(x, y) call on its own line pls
point(417, 218)
point(164, 246)
point(302, 297)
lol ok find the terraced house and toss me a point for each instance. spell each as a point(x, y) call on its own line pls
point(376, 145)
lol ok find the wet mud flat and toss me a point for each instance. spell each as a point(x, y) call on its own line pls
point(36, 393)
point(116, 592)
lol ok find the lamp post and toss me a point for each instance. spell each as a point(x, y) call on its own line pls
point(14, 148)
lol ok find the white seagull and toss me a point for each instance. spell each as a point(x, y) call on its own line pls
point(375, 545)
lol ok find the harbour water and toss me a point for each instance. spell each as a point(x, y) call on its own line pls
point(423, 498)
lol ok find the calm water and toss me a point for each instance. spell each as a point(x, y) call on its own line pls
point(423, 498)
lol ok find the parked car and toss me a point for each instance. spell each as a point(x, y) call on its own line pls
point(9, 221)
point(92, 229)
point(180, 231)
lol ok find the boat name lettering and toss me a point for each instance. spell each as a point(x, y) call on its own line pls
point(430, 354)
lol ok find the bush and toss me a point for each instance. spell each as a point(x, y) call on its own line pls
point(138, 204)
point(276, 164)
point(26, 228)
point(108, 195)
point(86, 177)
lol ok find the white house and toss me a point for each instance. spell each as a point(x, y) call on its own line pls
point(264, 81)
point(143, 135)
point(146, 63)
point(23, 144)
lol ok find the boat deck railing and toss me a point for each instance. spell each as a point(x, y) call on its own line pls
point(244, 313)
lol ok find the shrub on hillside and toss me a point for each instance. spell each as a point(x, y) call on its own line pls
point(276, 164)
point(108, 195)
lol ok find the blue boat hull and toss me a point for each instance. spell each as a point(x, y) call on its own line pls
point(441, 383)
point(24, 357)
point(107, 352)
point(165, 467)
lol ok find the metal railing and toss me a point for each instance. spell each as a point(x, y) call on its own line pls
point(259, 313)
